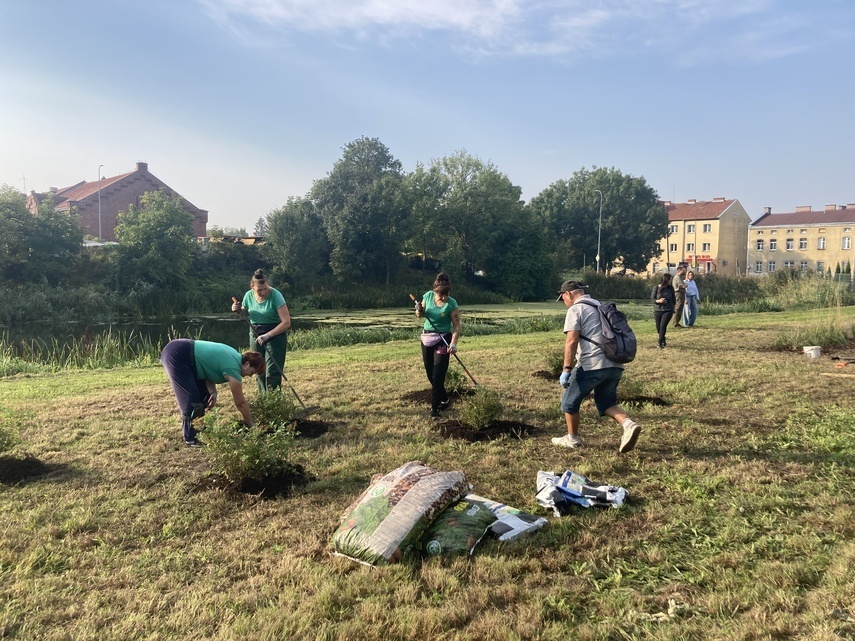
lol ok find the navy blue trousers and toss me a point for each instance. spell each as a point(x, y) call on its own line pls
point(191, 393)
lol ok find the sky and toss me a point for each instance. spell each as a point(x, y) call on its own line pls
point(239, 105)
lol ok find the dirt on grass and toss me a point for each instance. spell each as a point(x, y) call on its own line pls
point(274, 486)
point(495, 430)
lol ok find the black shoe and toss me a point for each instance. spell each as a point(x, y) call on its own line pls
point(444, 405)
point(193, 443)
point(435, 414)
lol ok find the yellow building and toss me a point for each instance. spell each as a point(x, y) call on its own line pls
point(709, 236)
point(806, 240)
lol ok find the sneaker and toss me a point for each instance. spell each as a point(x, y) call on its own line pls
point(630, 436)
point(435, 414)
point(444, 405)
point(193, 443)
point(566, 441)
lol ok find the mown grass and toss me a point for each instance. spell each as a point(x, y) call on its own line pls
point(739, 524)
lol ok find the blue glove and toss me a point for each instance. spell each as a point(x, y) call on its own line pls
point(564, 379)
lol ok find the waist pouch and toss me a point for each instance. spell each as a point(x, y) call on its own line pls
point(431, 339)
point(262, 328)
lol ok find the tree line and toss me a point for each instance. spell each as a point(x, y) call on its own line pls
point(366, 222)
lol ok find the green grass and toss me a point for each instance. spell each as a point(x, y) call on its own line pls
point(740, 522)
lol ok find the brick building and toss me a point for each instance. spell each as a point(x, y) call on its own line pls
point(114, 194)
point(710, 236)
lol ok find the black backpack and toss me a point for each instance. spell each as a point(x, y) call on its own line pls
point(619, 344)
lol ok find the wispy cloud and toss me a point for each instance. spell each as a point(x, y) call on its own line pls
point(693, 31)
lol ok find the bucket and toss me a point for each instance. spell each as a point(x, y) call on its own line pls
point(813, 351)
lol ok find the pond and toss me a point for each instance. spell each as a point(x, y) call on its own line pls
point(228, 328)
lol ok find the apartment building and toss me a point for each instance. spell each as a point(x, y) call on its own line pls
point(709, 236)
point(806, 240)
point(98, 204)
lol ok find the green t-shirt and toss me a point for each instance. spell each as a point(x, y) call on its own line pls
point(264, 313)
point(214, 361)
point(441, 316)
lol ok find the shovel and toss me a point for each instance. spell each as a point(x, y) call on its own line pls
point(304, 411)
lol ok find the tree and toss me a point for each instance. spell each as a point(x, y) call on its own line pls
point(156, 242)
point(633, 219)
point(260, 227)
point(364, 212)
point(34, 248)
point(297, 243)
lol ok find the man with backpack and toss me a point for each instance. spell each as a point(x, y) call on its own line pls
point(586, 367)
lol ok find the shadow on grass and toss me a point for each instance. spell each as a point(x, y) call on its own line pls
point(15, 471)
point(495, 430)
point(267, 487)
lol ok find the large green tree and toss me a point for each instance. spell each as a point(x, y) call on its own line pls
point(364, 211)
point(633, 219)
point(156, 243)
point(36, 248)
point(298, 245)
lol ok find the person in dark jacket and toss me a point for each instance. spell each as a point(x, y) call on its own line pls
point(664, 301)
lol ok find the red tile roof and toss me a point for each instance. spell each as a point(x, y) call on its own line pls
point(700, 210)
point(84, 189)
point(795, 219)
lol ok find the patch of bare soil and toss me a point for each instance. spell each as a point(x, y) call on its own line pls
point(279, 485)
point(14, 470)
point(545, 374)
point(312, 429)
point(643, 400)
point(417, 398)
point(496, 429)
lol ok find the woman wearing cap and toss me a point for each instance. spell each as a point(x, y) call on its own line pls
point(195, 368)
point(439, 337)
point(269, 321)
point(664, 300)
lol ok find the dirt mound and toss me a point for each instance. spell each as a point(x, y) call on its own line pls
point(312, 429)
point(643, 400)
point(496, 429)
point(279, 485)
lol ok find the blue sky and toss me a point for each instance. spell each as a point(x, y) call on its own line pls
point(240, 104)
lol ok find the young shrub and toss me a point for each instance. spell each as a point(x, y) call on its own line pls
point(241, 453)
point(555, 362)
point(481, 408)
point(455, 381)
point(273, 410)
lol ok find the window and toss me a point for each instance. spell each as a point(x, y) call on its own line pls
point(802, 243)
point(760, 233)
point(655, 267)
point(672, 247)
point(707, 228)
point(844, 266)
point(705, 247)
point(788, 264)
point(803, 266)
point(847, 242)
point(803, 231)
point(672, 229)
point(760, 245)
point(690, 228)
point(773, 244)
point(771, 265)
point(846, 230)
point(774, 231)
point(790, 244)
point(758, 267)
point(820, 242)
point(789, 231)
point(690, 247)
point(820, 266)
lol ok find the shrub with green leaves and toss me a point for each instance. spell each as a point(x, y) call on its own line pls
point(481, 408)
point(273, 410)
point(242, 453)
point(455, 380)
point(555, 362)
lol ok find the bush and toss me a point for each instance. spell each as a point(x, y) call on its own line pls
point(555, 362)
point(481, 408)
point(455, 380)
point(273, 410)
point(241, 453)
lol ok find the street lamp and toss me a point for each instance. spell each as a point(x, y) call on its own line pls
point(100, 238)
point(599, 229)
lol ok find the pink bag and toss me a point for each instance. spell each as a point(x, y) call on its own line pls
point(431, 339)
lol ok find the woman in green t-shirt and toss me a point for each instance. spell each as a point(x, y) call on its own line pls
point(440, 333)
point(270, 321)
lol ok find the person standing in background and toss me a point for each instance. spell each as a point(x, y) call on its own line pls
point(679, 294)
point(663, 307)
point(693, 297)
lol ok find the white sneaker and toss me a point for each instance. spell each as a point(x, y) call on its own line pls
point(630, 436)
point(566, 441)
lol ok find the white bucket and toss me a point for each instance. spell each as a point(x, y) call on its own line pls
point(813, 351)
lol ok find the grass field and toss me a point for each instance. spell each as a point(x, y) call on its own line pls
point(739, 523)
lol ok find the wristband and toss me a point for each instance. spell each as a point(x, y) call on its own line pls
point(568, 367)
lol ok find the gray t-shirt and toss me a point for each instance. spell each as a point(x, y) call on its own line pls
point(585, 319)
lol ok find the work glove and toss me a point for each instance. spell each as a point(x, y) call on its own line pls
point(564, 379)
point(236, 306)
point(263, 339)
point(452, 348)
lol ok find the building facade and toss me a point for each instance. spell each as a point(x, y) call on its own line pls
point(98, 204)
point(806, 240)
point(709, 236)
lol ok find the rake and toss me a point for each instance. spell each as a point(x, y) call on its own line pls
point(454, 353)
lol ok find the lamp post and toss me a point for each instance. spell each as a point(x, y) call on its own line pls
point(100, 238)
point(599, 229)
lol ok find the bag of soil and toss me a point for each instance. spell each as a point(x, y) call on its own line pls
point(458, 529)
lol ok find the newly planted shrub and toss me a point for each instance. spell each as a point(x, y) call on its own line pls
point(273, 410)
point(555, 362)
point(241, 453)
point(481, 408)
point(455, 381)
